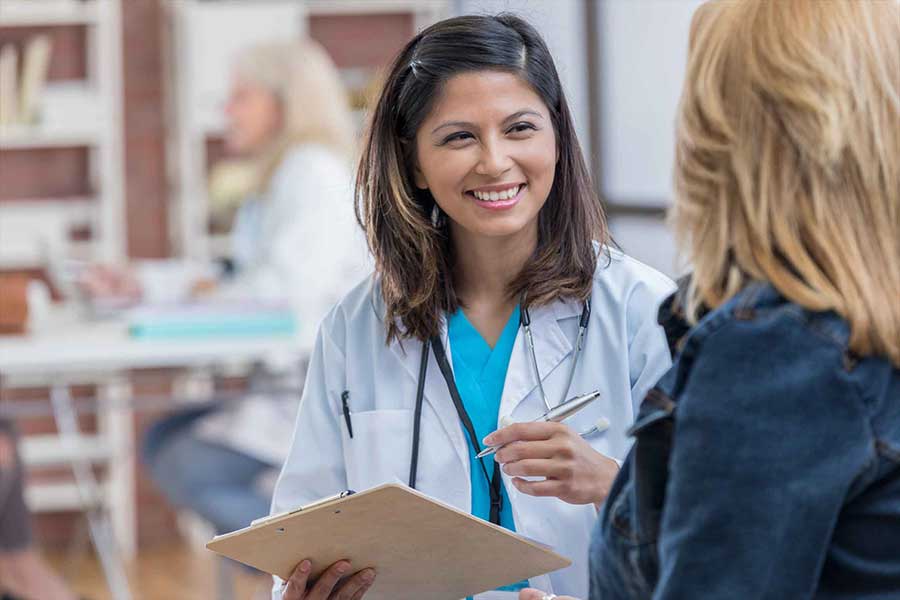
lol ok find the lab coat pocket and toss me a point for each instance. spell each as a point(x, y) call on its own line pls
point(379, 450)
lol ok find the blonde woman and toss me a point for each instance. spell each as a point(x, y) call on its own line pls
point(295, 240)
point(767, 460)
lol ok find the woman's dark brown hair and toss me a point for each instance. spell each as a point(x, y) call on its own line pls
point(414, 259)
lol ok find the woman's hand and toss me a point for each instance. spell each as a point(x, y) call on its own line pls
point(572, 470)
point(105, 282)
point(335, 583)
point(533, 594)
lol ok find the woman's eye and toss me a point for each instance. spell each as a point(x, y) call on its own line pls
point(522, 127)
point(456, 137)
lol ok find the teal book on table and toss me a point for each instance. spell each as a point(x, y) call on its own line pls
point(203, 320)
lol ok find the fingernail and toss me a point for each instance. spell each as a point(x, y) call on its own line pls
point(488, 440)
point(343, 568)
point(368, 576)
point(305, 566)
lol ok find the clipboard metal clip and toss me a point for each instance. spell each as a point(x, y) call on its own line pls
point(316, 504)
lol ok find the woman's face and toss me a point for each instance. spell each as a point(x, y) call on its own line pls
point(254, 117)
point(487, 152)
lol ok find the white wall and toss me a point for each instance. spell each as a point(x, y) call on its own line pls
point(643, 50)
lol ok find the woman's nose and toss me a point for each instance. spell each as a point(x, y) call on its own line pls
point(494, 160)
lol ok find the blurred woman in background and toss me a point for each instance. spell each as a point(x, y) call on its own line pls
point(294, 239)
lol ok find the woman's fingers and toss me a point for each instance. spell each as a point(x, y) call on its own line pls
point(547, 487)
point(533, 594)
point(528, 432)
point(538, 467)
point(530, 450)
point(574, 471)
point(356, 586)
point(327, 587)
point(295, 586)
point(327, 581)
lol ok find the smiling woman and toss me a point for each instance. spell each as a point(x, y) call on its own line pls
point(480, 213)
point(474, 107)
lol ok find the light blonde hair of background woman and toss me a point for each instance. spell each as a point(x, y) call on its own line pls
point(315, 106)
point(788, 159)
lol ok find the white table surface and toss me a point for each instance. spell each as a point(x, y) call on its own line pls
point(69, 346)
point(66, 343)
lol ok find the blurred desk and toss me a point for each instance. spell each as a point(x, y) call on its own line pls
point(69, 345)
point(69, 349)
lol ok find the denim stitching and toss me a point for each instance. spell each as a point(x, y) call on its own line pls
point(818, 330)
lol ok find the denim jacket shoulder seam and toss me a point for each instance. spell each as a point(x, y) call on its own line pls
point(707, 328)
point(841, 346)
point(820, 332)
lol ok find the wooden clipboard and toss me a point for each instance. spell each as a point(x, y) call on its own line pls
point(419, 547)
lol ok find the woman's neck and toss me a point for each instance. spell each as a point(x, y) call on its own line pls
point(484, 268)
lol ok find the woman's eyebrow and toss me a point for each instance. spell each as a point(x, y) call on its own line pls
point(465, 124)
point(522, 113)
point(454, 124)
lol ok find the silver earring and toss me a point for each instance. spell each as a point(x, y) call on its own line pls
point(437, 219)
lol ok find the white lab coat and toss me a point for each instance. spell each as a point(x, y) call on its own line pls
point(625, 352)
point(298, 244)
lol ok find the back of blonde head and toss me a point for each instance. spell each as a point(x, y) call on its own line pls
point(314, 103)
point(788, 158)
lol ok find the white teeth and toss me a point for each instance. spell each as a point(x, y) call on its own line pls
point(494, 196)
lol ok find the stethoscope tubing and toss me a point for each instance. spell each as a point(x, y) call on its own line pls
point(525, 323)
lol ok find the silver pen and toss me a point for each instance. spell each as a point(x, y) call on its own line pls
point(556, 414)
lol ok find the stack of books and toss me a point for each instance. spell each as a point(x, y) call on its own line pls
point(211, 319)
point(21, 89)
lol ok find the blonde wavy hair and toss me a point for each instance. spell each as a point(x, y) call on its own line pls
point(788, 159)
point(315, 105)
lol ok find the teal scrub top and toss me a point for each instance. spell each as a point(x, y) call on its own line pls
point(480, 372)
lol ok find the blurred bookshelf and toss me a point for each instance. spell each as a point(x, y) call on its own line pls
point(29, 13)
point(60, 131)
point(360, 35)
point(62, 194)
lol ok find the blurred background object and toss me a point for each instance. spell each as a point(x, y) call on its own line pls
point(114, 151)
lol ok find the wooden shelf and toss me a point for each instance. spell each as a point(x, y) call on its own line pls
point(57, 497)
point(28, 13)
point(26, 137)
point(52, 450)
point(356, 7)
point(31, 229)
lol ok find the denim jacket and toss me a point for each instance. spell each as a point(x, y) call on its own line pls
point(766, 465)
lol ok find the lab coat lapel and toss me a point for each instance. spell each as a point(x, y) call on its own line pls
point(409, 354)
point(551, 348)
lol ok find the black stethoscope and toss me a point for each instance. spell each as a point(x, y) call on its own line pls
point(494, 480)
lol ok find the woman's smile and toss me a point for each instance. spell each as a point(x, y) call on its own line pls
point(497, 197)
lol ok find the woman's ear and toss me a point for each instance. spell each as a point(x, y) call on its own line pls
point(419, 178)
